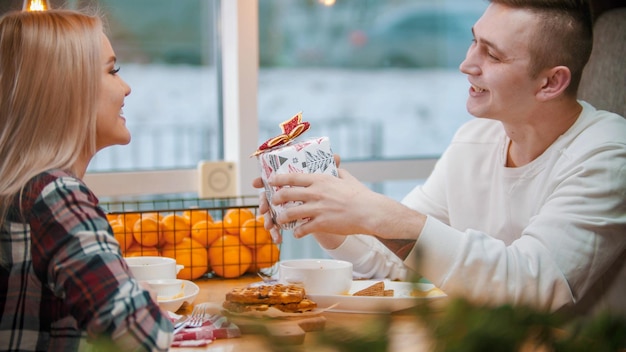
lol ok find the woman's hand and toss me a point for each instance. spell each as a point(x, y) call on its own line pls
point(264, 209)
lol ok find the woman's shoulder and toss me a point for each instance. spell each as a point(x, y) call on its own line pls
point(54, 184)
point(52, 178)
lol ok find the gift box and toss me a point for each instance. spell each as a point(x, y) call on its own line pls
point(313, 155)
point(284, 154)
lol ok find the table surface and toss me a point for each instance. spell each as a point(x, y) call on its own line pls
point(405, 332)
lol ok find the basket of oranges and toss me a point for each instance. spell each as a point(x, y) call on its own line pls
point(209, 237)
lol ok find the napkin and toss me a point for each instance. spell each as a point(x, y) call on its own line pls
point(215, 327)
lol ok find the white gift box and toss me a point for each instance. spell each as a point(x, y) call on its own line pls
point(312, 155)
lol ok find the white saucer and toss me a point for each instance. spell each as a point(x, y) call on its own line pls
point(191, 290)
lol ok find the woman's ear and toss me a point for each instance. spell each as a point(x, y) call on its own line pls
point(554, 82)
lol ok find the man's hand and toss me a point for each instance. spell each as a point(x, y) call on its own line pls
point(266, 211)
point(340, 205)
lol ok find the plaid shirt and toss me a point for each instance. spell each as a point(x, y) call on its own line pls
point(64, 285)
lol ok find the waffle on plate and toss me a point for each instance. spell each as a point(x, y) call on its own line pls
point(286, 298)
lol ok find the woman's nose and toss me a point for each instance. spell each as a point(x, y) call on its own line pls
point(126, 87)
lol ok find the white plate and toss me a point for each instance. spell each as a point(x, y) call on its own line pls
point(402, 298)
point(191, 290)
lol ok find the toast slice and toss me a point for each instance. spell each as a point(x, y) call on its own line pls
point(376, 290)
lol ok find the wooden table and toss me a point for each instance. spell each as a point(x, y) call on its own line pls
point(405, 332)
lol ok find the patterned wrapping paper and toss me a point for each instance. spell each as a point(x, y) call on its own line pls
point(313, 155)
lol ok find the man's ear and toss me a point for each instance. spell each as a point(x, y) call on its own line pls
point(554, 81)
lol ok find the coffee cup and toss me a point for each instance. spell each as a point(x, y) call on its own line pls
point(153, 267)
point(317, 276)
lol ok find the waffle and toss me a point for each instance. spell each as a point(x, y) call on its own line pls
point(267, 294)
point(296, 307)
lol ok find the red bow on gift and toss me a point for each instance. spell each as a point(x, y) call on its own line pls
point(291, 128)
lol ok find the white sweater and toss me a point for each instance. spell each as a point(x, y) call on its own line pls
point(549, 234)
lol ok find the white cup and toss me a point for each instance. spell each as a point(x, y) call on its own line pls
point(317, 276)
point(153, 268)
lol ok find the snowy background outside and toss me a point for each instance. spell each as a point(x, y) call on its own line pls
point(311, 60)
point(383, 114)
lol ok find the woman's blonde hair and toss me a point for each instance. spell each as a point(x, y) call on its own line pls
point(49, 81)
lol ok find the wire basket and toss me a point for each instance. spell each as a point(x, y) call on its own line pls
point(221, 237)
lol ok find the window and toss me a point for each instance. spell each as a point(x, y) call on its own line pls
point(380, 78)
point(167, 54)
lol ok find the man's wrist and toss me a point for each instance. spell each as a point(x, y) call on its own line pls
point(401, 248)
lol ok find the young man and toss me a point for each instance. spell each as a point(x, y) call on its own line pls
point(526, 206)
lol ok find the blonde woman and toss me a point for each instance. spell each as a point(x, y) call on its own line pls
point(63, 283)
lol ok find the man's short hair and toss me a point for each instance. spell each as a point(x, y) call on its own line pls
point(563, 36)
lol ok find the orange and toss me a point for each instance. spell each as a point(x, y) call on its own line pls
point(264, 257)
point(150, 214)
point(147, 231)
point(206, 232)
point(136, 250)
point(195, 215)
point(174, 228)
point(228, 257)
point(234, 218)
point(191, 254)
point(226, 242)
point(123, 238)
point(253, 234)
point(129, 220)
point(112, 217)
